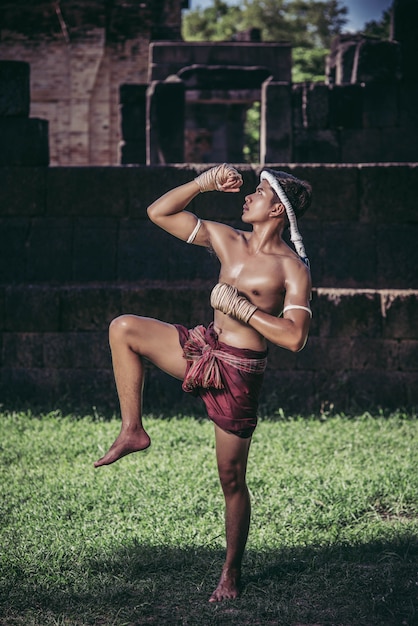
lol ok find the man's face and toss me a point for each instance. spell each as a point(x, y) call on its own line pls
point(258, 205)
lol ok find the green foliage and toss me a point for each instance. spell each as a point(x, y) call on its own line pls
point(308, 25)
point(381, 28)
point(333, 536)
point(252, 134)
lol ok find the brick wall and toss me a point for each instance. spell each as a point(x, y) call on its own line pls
point(76, 250)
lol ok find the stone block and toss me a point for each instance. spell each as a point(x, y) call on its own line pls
point(408, 356)
point(399, 144)
point(298, 94)
point(294, 392)
point(330, 183)
point(182, 303)
point(49, 250)
point(379, 389)
point(144, 184)
point(87, 192)
point(329, 355)
point(397, 256)
point(58, 350)
point(360, 145)
point(89, 308)
point(13, 238)
point(22, 350)
point(315, 146)
point(400, 313)
point(14, 89)
point(375, 354)
point(377, 61)
point(317, 106)
point(31, 308)
point(276, 123)
point(23, 142)
point(95, 248)
point(346, 106)
point(22, 191)
point(408, 103)
point(389, 193)
point(91, 350)
point(349, 255)
point(380, 105)
point(167, 58)
point(348, 313)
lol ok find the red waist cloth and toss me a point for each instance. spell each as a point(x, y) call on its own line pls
point(228, 379)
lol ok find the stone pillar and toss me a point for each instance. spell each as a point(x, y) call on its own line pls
point(276, 123)
point(165, 122)
point(405, 31)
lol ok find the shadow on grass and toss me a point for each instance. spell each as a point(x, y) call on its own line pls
point(373, 584)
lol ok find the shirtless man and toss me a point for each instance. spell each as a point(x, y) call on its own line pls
point(261, 277)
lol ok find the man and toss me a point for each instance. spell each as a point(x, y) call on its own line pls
point(263, 295)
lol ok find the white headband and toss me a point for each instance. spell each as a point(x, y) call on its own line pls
point(295, 236)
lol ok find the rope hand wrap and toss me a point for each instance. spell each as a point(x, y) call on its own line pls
point(295, 236)
point(213, 179)
point(225, 298)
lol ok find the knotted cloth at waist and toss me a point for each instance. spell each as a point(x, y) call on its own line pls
point(204, 371)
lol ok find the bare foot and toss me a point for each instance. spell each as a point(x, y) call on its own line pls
point(125, 443)
point(228, 587)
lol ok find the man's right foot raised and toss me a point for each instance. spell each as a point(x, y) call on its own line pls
point(125, 443)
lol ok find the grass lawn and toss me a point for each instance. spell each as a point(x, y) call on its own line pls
point(333, 540)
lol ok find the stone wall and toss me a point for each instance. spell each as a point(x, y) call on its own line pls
point(80, 53)
point(76, 250)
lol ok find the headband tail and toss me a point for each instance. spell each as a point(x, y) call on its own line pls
point(295, 236)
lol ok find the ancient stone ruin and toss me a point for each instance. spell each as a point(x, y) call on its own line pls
point(116, 84)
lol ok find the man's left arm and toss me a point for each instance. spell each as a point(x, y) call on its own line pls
point(291, 330)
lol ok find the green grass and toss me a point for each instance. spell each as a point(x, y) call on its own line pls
point(333, 539)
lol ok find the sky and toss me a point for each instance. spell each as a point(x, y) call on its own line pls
point(359, 11)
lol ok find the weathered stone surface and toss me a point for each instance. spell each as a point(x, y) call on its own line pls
point(380, 105)
point(30, 308)
point(23, 142)
point(397, 256)
point(349, 255)
point(13, 258)
point(346, 106)
point(86, 192)
point(88, 308)
point(49, 250)
point(348, 313)
point(95, 249)
point(22, 191)
point(167, 58)
point(389, 193)
point(275, 135)
point(399, 309)
point(316, 146)
point(317, 105)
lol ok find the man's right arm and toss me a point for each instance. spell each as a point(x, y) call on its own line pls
point(169, 213)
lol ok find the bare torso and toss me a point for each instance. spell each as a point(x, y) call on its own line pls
point(259, 275)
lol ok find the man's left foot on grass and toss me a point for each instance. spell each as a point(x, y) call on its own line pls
point(228, 587)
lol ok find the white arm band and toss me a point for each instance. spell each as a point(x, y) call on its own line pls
point(195, 231)
point(297, 306)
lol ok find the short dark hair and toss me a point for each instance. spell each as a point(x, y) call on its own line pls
point(298, 191)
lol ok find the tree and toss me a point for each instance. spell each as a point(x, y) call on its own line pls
point(309, 25)
point(379, 29)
